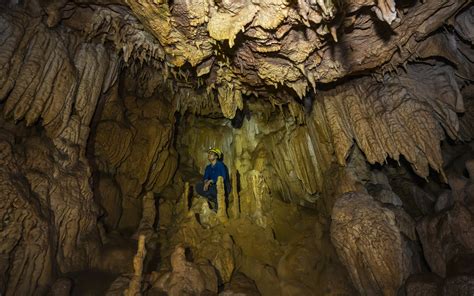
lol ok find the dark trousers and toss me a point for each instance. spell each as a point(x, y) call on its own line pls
point(210, 194)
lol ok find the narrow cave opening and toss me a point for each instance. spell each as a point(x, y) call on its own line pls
point(345, 130)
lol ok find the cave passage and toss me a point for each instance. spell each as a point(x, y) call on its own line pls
point(345, 128)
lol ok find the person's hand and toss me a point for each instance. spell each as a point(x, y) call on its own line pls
point(206, 185)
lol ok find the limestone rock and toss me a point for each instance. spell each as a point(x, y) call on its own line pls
point(430, 284)
point(109, 196)
point(299, 269)
point(423, 284)
point(118, 286)
point(378, 126)
point(443, 202)
point(117, 155)
point(41, 195)
point(22, 233)
point(384, 195)
point(185, 277)
point(369, 244)
point(265, 276)
point(147, 223)
point(240, 284)
point(61, 287)
point(116, 256)
point(416, 201)
point(207, 217)
point(102, 100)
point(44, 80)
point(460, 285)
point(135, 285)
point(47, 85)
point(446, 235)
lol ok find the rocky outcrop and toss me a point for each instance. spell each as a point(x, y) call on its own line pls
point(449, 234)
point(240, 284)
point(430, 284)
point(369, 240)
point(261, 242)
point(446, 236)
point(185, 277)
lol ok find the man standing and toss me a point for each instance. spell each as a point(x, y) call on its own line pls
point(216, 168)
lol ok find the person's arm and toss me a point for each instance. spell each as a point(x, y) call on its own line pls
point(207, 178)
point(206, 174)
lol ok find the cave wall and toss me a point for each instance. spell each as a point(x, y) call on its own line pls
point(26, 226)
point(133, 150)
point(53, 78)
point(52, 82)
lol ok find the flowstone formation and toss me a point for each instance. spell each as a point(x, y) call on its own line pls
point(346, 127)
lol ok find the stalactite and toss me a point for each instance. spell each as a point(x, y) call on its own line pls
point(383, 128)
point(304, 58)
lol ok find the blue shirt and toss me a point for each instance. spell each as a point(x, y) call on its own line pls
point(214, 171)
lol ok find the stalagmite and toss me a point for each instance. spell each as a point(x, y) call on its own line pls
point(147, 223)
point(135, 286)
point(235, 207)
point(185, 197)
point(221, 204)
point(259, 188)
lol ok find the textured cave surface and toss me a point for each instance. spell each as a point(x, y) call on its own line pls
point(347, 127)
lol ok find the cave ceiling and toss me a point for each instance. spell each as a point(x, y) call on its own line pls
point(275, 49)
point(390, 76)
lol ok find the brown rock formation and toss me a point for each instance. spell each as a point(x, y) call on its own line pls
point(186, 277)
point(263, 38)
point(449, 233)
point(135, 286)
point(369, 242)
point(346, 127)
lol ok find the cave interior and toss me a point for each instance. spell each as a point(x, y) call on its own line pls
point(346, 128)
